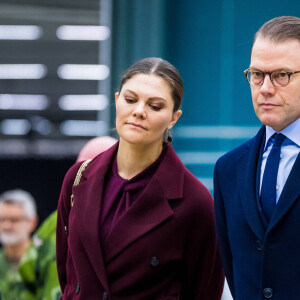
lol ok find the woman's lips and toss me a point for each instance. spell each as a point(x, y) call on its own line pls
point(136, 125)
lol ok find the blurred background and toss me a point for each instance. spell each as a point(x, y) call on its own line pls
point(60, 65)
point(61, 61)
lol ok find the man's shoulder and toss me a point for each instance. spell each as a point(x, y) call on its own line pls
point(237, 152)
point(3, 265)
point(2, 256)
point(240, 150)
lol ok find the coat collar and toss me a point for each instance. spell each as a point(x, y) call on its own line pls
point(289, 194)
point(87, 203)
point(247, 175)
point(151, 209)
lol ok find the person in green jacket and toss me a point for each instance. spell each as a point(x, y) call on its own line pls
point(18, 219)
point(38, 265)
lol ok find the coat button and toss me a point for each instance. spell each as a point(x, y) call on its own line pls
point(66, 230)
point(259, 245)
point(77, 288)
point(268, 293)
point(104, 296)
point(154, 262)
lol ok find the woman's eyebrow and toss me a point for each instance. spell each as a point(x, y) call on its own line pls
point(151, 98)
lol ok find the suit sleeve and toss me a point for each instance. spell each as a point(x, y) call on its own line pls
point(203, 274)
point(63, 210)
point(221, 226)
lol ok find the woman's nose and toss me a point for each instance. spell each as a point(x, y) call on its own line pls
point(139, 110)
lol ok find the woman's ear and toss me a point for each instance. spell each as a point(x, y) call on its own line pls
point(176, 115)
point(116, 96)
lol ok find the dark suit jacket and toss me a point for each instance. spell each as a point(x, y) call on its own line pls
point(164, 247)
point(261, 260)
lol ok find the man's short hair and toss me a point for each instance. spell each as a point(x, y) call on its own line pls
point(20, 197)
point(280, 29)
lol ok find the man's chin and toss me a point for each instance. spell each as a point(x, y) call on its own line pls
point(11, 238)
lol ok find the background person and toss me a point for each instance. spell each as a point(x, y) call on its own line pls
point(257, 185)
point(141, 225)
point(18, 219)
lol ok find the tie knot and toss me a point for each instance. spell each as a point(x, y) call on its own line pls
point(279, 138)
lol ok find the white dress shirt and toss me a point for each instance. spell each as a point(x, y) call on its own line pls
point(290, 149)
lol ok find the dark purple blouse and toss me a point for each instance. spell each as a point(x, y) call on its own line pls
point(119, 193)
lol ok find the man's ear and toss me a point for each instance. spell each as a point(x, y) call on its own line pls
point(33, 223)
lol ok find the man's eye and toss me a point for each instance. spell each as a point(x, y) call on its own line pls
point(281, 74)
point(257, 74)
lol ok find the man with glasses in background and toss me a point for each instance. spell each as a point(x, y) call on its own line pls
point(257, 185)
point(18, 219)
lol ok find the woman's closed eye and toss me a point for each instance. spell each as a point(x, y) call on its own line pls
point(155, 107)
point(130, 100)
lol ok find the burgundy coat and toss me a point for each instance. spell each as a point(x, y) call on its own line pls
point(163, 248)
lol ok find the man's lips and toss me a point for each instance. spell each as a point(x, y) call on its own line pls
point(136, 125)
point(267, 105)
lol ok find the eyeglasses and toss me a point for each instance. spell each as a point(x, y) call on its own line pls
point(278, 78)
point(13, 220)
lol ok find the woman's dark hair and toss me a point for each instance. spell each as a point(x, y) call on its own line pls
point(159, 67)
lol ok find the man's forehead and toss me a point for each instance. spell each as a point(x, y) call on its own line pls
point(11, 206)
point(267, 44)
point(272, 56)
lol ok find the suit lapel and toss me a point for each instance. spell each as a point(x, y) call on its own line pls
point(150, 209)
point(290, 193)
point(247, 174)
point(87, 203)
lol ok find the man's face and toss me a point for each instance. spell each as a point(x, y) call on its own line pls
point(15, 227)
point(275, 106)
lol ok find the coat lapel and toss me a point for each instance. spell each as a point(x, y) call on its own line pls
point(248, 176)
point(150, 209)
point(87, 204)
point(289, 194)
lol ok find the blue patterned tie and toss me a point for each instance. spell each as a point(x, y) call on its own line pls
point(268, 188)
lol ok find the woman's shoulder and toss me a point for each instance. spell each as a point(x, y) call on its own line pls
point(71, 173)
point(178, 172)
point(196, 206)
point(194, 188)
point(89, 163)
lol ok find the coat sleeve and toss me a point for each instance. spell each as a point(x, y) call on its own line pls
point(203, 275)
point(222, 232)
point(63, 210)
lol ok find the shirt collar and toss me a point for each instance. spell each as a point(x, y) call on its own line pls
point(291, 132)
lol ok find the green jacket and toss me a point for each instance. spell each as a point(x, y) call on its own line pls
point(11, 285)
point(38, 265)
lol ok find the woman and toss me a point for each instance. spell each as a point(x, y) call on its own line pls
point(141, 226)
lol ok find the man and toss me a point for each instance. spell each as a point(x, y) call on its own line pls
point(18, 219)
point(257, 185)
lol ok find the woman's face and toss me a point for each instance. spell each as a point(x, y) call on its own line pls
point(144, 110)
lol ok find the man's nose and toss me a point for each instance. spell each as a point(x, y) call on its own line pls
point(267, 86)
